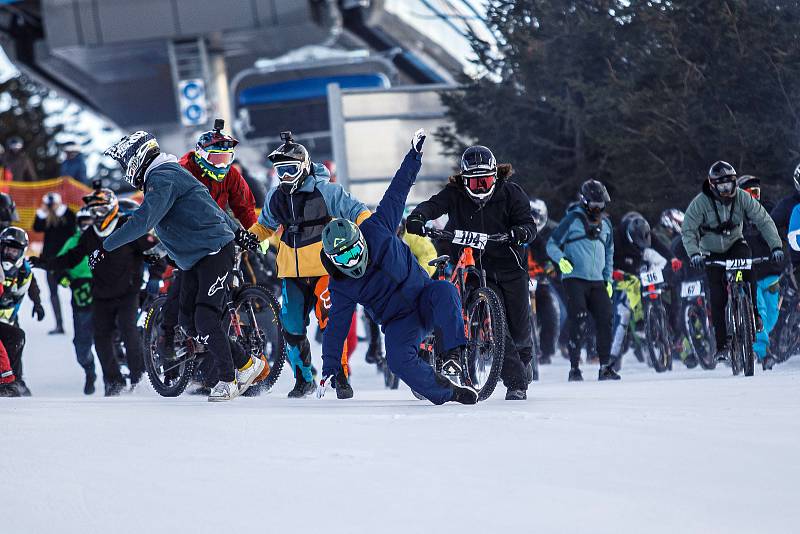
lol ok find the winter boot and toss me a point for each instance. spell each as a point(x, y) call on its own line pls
point(247, 374)
point(545, 359)
point(343, 388)
point(22, 387)
point(374, 352)
point(88, 385)
point(690, 361)
point(223, 391)
point(9, 390)
point(723, 354)
point(516, 394)
point(575, 375)
point(607, 372)
point(768, 362)
point(59, 329)
point(464, 394)
point(113, 389)
point(301, 386)
point(451, 361)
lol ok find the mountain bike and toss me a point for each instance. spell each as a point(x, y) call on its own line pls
point(484, 315)
point(785, 337)
point(695, 322)
point(251, 320)
point(536, 345)
point(739, 317)
point(656, 324)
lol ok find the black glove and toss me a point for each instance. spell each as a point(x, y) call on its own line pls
point(519, 235)
point(96, 257)
point(777, 256)
point(37, 262)
point(38, 311)
point(415, 225)
point(697, 261)
point(246, 240)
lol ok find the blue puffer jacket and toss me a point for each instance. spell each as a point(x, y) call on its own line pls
point(393, 280)
point(188, 222)
point(592, 259)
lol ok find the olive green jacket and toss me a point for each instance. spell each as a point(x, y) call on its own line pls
point(706, 230)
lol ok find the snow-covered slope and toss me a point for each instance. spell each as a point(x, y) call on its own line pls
point(690, 451)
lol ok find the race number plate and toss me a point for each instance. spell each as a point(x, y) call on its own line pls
point(652, 277)
point(740, 264)
point(470, 239)
point(691, 289)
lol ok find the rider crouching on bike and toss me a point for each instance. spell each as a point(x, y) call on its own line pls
point(210, 163)
point(199, 237)
point(712, 229)
point(633, 254)
point(371, 266)
point(583, 247)
point(483, 199)
point(767, 276)
point(301, 205)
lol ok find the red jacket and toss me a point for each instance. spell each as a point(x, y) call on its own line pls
point(233, 191)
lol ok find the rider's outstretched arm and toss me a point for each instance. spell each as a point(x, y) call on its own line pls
point(339, 317)
point(157, 201)
point(390, 209)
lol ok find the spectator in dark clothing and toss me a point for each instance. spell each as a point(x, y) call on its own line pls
point(74, 164)
point(57, 222)
point(115, 288)
point(18, 163)
point(256, 187)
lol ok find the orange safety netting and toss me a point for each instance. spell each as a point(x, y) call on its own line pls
point(28, 197)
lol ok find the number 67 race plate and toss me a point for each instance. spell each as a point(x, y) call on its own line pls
point(691, 289)
point(470, 239)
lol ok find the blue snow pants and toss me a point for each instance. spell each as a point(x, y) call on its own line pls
point(438, 307)
point(767, 301)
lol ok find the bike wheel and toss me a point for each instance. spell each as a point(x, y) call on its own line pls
point(536, 347)
point(695, 325)
point(746, 333)
point(258, 316)
point(658, 348)
point(486, 337)
point(168, 378)
point(733, 334)
point(787, 335)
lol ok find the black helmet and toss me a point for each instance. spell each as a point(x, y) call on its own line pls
point(8, 210)
point(13, 245)
point(291, 162)
point(135, 153)
point(637, 232)
point(478, 172)
point(594, 197)
point(722, 179)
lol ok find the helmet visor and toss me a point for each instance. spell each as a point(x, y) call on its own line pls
point(101, 211)
point(349, 257)
point(288, 171)
point(725, 186)
point(481, 183)
point(11, 253)
point(221, 159)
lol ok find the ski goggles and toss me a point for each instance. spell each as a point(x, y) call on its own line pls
point(481, 183)
point(288, 171)
point(349, 257)
point(221, 159)
point(724, 187)
point(100, 211)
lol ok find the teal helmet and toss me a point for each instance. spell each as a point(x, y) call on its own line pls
point(345, 246)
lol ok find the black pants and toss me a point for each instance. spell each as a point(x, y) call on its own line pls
point(109, 315)
point(717, 286)
point(13, 338)
point(547, 315)
point(512, 288)
point(171, 307)
point(586, 298)
point(52, 283)
point(203, 295)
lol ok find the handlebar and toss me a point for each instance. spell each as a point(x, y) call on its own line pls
point(724, 263)
point(434, 233)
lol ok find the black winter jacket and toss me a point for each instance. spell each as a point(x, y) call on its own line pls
point(508, 206)
point(781, 215)
point(57, 234)
point(760, 249)
point(119, 274)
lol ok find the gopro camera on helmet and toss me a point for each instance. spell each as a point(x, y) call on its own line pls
point(219, 124)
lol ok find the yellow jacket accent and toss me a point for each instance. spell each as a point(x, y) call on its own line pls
point(422, 248)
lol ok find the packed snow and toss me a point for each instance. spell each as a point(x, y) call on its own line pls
point(687, 451)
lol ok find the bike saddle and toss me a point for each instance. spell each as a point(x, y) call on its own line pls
point(441, 259)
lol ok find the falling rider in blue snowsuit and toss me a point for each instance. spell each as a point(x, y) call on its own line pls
point(371, 266)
